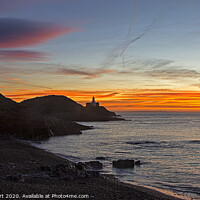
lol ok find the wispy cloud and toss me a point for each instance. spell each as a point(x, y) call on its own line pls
point(161, 69)
point(20, 33)
point(55, 69)
point(173, 73)
point(22, 55)
point(17, 81)
point(85, 72)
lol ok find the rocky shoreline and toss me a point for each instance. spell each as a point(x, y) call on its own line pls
point(27, 170)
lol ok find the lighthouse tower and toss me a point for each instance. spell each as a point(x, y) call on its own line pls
point(93, 103)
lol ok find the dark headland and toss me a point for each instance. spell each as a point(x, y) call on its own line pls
point(31, 172)
point(42, 117)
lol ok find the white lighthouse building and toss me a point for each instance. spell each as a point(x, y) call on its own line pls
point(93, 103)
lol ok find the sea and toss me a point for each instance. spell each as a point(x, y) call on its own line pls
point(166, 143)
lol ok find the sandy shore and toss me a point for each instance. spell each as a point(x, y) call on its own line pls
point(29, 172)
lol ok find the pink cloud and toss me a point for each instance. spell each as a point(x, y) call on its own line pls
point(21, 33)
point(22, 55)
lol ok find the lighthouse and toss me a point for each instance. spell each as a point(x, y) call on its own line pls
point(93, 103)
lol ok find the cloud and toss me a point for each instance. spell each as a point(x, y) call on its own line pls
point(151, 63)
point(21, 33)
point(85, 72)
point(13, 81)
point(173, 73)
point(196, 85)
point(22, 55)
point(160, 69)
point(53, 69)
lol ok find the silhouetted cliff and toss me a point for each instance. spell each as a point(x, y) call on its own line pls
point(42, 117)
point(62, 107)
point(14, 120)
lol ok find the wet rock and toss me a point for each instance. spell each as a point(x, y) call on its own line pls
point(100, 158)
point(17, 178)
point(94, 164)
point(57, 173)
point(137, 162)
point(94, 174)
point(83, 174)
point(124, 163)
point(81, 166)
point(68, 178)
point(11, 165)
point(61, 167)
point(45, 168)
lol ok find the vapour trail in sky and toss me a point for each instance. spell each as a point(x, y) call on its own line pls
point(135, 5)
point(120, 50)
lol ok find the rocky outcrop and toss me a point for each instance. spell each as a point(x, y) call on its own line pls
point(100, 158)
point(138, 163)
point(62, 107)
point(18, 121)
point(42, 117)
point(124, 163)
point(94, 164)
point(54, 106)
point(99, 113)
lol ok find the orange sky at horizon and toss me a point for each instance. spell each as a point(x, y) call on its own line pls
point(125, 100)
point(130, 56)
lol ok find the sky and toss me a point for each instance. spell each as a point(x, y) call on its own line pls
point(132, 55)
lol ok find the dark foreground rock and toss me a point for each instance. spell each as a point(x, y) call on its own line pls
point(138, 162)
point(94, 164)
point(43, 117)
point(124, 164)
point(26, 170)
point(100, 158)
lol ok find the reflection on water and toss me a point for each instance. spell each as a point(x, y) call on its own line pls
point(168, 145)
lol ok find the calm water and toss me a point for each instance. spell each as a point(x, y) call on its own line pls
point(168, 145)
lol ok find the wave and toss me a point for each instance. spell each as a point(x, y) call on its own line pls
point(155, 144)
point(143, 142)
point(194, 141)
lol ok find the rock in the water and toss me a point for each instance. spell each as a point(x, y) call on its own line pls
point(100, 158)
point(81, 166)
point(124, 163)
point(94, 164)
point(137, 162)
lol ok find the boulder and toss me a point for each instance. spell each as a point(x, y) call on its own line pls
point(100, 158)
point(80, 166)
point(137, 162)
point(94, 164)
point(45, 168)
point(124, 164)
